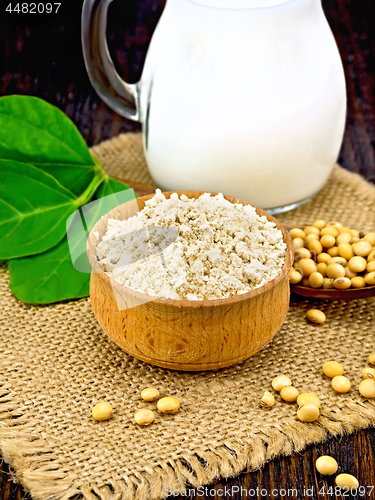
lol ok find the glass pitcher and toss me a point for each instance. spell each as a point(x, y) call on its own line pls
point(243, 97)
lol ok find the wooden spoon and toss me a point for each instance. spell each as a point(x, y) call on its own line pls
point(331, 293)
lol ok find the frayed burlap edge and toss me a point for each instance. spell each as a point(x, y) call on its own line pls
point(47, 477)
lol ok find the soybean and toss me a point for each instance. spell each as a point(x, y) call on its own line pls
point(358, 282)
point(307, 398)
point(341, 384)
point(346, 481)
point(307, 267)
point(332, 369)
point(331, 231)
point(368, 373)
point(370, 237)
point(102, 411)
point(322, 268)
point(370, 278)
point(367, 388)
point(333, 251)
point(150, 394)
point(363, 248)
point(302, 253)
point(144, 417)
point(311, 237)
point(345, 250)
point(311, 230)
point(357, 264)
point(280, 382)
point(323, 257)
point(315, 246)
point(338, 260)
point(344, 229)
point(328, 241)
point(328, 283)
point(334, 224)
point(297, 233)
point(349, 273)
point(268, 400)
point(289, 394)
point(335, 271)
point(298, 243)
point(342, 283)
point(316, 316)
point(320, 224)
point(168, 405)
point(316, 280)
point(326, 465)
point(294, 276)
point(308, 413)
point(343, 238)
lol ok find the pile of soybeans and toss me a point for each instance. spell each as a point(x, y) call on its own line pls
point(332, 256)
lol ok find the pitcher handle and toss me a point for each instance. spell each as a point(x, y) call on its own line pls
point(122, 97)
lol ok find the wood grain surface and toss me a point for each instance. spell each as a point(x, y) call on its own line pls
point(45, 60)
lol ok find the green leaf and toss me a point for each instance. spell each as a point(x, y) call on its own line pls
point(34, 131)
point(51, 276)
point(111, 186)
point(48, 277)
point(33, 210)
point(109, 195)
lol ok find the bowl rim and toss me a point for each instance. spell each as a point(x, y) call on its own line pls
point(179, 303)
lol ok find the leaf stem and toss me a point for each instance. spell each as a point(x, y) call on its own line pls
point(99, 177)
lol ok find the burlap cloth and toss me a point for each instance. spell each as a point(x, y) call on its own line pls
point(56, 363)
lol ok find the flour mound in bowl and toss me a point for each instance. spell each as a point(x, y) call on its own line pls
point(218, 249)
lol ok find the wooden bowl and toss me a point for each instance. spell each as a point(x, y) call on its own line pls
point(187, 334)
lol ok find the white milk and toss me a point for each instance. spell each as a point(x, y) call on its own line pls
point(248, 100)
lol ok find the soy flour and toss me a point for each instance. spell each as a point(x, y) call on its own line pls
point(211, 248)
